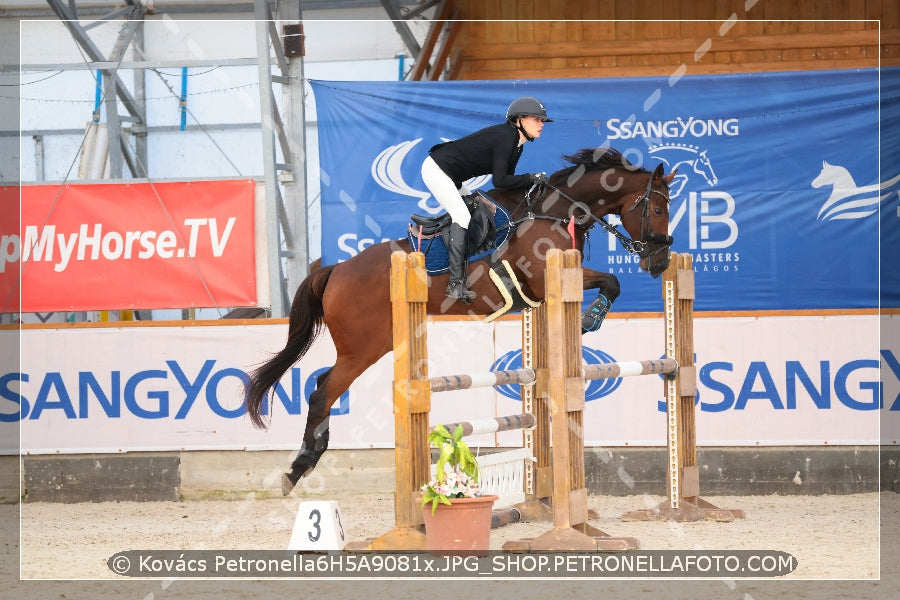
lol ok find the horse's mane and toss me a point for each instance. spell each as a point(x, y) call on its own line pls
point(592, 159)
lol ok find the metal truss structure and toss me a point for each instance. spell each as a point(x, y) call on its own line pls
point(282, 131)
point(126, 112)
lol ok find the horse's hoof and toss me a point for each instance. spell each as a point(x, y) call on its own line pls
point(287, 485)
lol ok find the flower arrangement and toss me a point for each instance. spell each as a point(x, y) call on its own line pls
point(461, 481)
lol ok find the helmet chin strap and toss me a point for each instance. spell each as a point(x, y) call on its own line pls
point(521, 128)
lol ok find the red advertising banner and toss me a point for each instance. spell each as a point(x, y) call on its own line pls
point(9, 247)
point(128, 246)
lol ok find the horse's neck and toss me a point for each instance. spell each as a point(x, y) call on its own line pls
point(613, 205)
point(515, 202)
point(842, 186)
point(509, 201)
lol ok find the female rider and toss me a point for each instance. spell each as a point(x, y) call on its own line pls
point(494, 151)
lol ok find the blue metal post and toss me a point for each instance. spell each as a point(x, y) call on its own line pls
point(98, 96)
point(182, 105)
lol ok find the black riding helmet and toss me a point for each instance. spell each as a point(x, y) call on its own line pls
point(526, 106)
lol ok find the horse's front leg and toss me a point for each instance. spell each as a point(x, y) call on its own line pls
point(607, 286)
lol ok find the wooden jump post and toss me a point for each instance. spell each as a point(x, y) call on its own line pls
point(557, 360)
point(553, 405)
point(558, 402)
point(682, 473)
point(412, 404)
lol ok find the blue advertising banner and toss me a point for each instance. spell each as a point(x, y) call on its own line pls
point(778, 196)
point(889, 191)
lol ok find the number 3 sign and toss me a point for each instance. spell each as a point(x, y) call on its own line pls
point(318, 527)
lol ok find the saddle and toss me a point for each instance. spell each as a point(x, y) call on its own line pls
point(482, 228)
point(489, 229)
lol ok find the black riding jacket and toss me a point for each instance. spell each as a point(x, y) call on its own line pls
point(494, 150)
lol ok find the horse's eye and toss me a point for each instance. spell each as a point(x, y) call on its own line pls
point(658, 210)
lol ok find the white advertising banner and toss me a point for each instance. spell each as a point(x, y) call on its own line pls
point(761, 381)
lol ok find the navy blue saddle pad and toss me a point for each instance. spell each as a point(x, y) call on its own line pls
point(437, 260)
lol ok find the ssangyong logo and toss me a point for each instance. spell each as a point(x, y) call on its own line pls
point(679, 127)
point(595, 389)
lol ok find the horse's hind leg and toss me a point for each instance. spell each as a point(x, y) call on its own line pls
point(329, 387)
point(315, 438)
point(607, 285)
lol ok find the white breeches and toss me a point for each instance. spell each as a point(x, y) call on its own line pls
point(444, 191)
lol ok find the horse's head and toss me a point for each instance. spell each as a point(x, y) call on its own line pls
point(645, 216)
point(603, 182)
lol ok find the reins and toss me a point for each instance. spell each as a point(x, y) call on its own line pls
point(640, 247)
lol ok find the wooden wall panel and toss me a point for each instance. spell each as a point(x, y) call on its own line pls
point(535, 39)
point(890, 52)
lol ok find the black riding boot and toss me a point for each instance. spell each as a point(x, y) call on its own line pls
point(457, 287)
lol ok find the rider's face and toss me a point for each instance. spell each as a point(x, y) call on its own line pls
point(533, 125)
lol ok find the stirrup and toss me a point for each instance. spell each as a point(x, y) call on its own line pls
point(457, 289)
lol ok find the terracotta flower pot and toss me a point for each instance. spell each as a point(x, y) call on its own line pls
point(463, 526)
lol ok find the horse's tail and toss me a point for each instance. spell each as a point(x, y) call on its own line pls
point(306, 321)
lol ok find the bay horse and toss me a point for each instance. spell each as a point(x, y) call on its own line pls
point(352, 298)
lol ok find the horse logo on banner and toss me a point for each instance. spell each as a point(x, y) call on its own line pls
point(847, 200)
point(688, 160)
point(387, 171)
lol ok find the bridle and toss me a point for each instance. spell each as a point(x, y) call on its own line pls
point(640, 247)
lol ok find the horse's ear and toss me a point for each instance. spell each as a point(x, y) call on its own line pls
point(658, 173)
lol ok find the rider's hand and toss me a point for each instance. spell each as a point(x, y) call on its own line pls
point(539, 178)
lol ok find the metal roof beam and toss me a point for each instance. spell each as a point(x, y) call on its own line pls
point(81, 37)
point(119, 153)
point(392, 8)
point(412, 14)
point(108, 17)
point(106, 65)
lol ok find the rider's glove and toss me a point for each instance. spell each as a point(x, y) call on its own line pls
point(539, 178)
